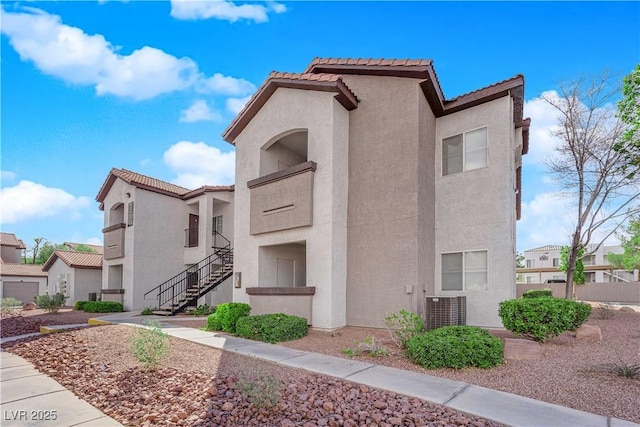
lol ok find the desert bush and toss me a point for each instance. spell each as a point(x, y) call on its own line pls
point(455, 347)
point(261, 388)
point(147, 311)
point(402, 326)
point(368, 345)
point(50, 303)
point(7, 305)
point(272, 328)
point(537, 293)
point(625, 369)
point(102, 307)
point(150, 345)
point(544, 317)
point(605, 310)
point(79, 305)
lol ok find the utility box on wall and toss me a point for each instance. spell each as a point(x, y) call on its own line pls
point(446, 311)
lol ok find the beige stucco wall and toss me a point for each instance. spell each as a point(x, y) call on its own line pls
point(475, 210)
point(40, 280)
point(293, 305)
point(10, 254)
point(80, 281)
point(327, 123)
point(385, 147)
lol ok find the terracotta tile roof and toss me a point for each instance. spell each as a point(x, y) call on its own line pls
point(325, 82)
point(418, 68)
point(30, 270)
point(141, 181)
point(207, 189)
point(97, 248)
point(144, 180)
point(75, 259)
point(10, 239)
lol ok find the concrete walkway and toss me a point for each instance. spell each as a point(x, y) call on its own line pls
point(502, 407)
point(30, 398)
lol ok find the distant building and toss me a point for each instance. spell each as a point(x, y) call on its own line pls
point(78, 275)
point(542, 264)
point(21, 281)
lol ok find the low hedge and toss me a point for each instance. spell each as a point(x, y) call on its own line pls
point(455, 347)
point(79, 305)
point(537, 293)
point(544, 317)
point(272, 328)
point(226, 316)
point(102, 307)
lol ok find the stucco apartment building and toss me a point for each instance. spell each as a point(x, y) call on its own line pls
point(361, 190)
point(17, 280)
point(541, 265)
point(77, 275)
point(161, 241)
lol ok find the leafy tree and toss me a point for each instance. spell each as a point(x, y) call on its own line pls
point(35, 250)
point(46, 251)
point(587, 167)
point(84, 248)
point(629, 114)
point(630, 241)
point(578, 271)
point(519, 260)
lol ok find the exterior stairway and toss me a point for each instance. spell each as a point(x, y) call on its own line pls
point(182, 290)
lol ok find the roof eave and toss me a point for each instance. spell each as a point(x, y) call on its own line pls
point(343, 95)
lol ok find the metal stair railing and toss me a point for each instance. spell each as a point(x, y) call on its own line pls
point(177, 292)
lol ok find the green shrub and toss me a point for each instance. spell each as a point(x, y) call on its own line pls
point(272, 327)
point(226, 316)
point(79, 305)
point(147, 311)
point(50, 303)
point(213, 323)
point(7, 305)
point(455, 347)
point(402, 326)
point(544, 317)
point(203, 310)
point(537, 293)
point(102, 307)
point(149, 345)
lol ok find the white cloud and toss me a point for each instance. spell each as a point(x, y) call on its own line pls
point(29, 200)
point(197, 164)
point(199, 111)
point(224, 85)
point(544, 121)
point(94, 241)
point(224, 10)
point(235, 105)
point(72, 55)
point(546, 220)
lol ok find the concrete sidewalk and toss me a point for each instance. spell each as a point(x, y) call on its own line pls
point(506, 408)
point(27, 394)
point(30, 398)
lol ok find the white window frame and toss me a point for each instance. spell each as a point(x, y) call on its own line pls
point(464, 271)
point(464, 151)
point(530, 263)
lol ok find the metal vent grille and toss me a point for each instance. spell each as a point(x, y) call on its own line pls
point(446, 311)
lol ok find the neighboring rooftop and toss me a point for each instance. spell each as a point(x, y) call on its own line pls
point(10, 239)
point(97, 248)
point(75, 259)
point(545, 248)
point(30, 270)
point(155, 185)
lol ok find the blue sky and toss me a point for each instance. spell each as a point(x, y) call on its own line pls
point(150, 86)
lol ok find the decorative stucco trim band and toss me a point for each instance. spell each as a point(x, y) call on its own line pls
point(298, 290)
point(114, 227)
point(283, 174)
